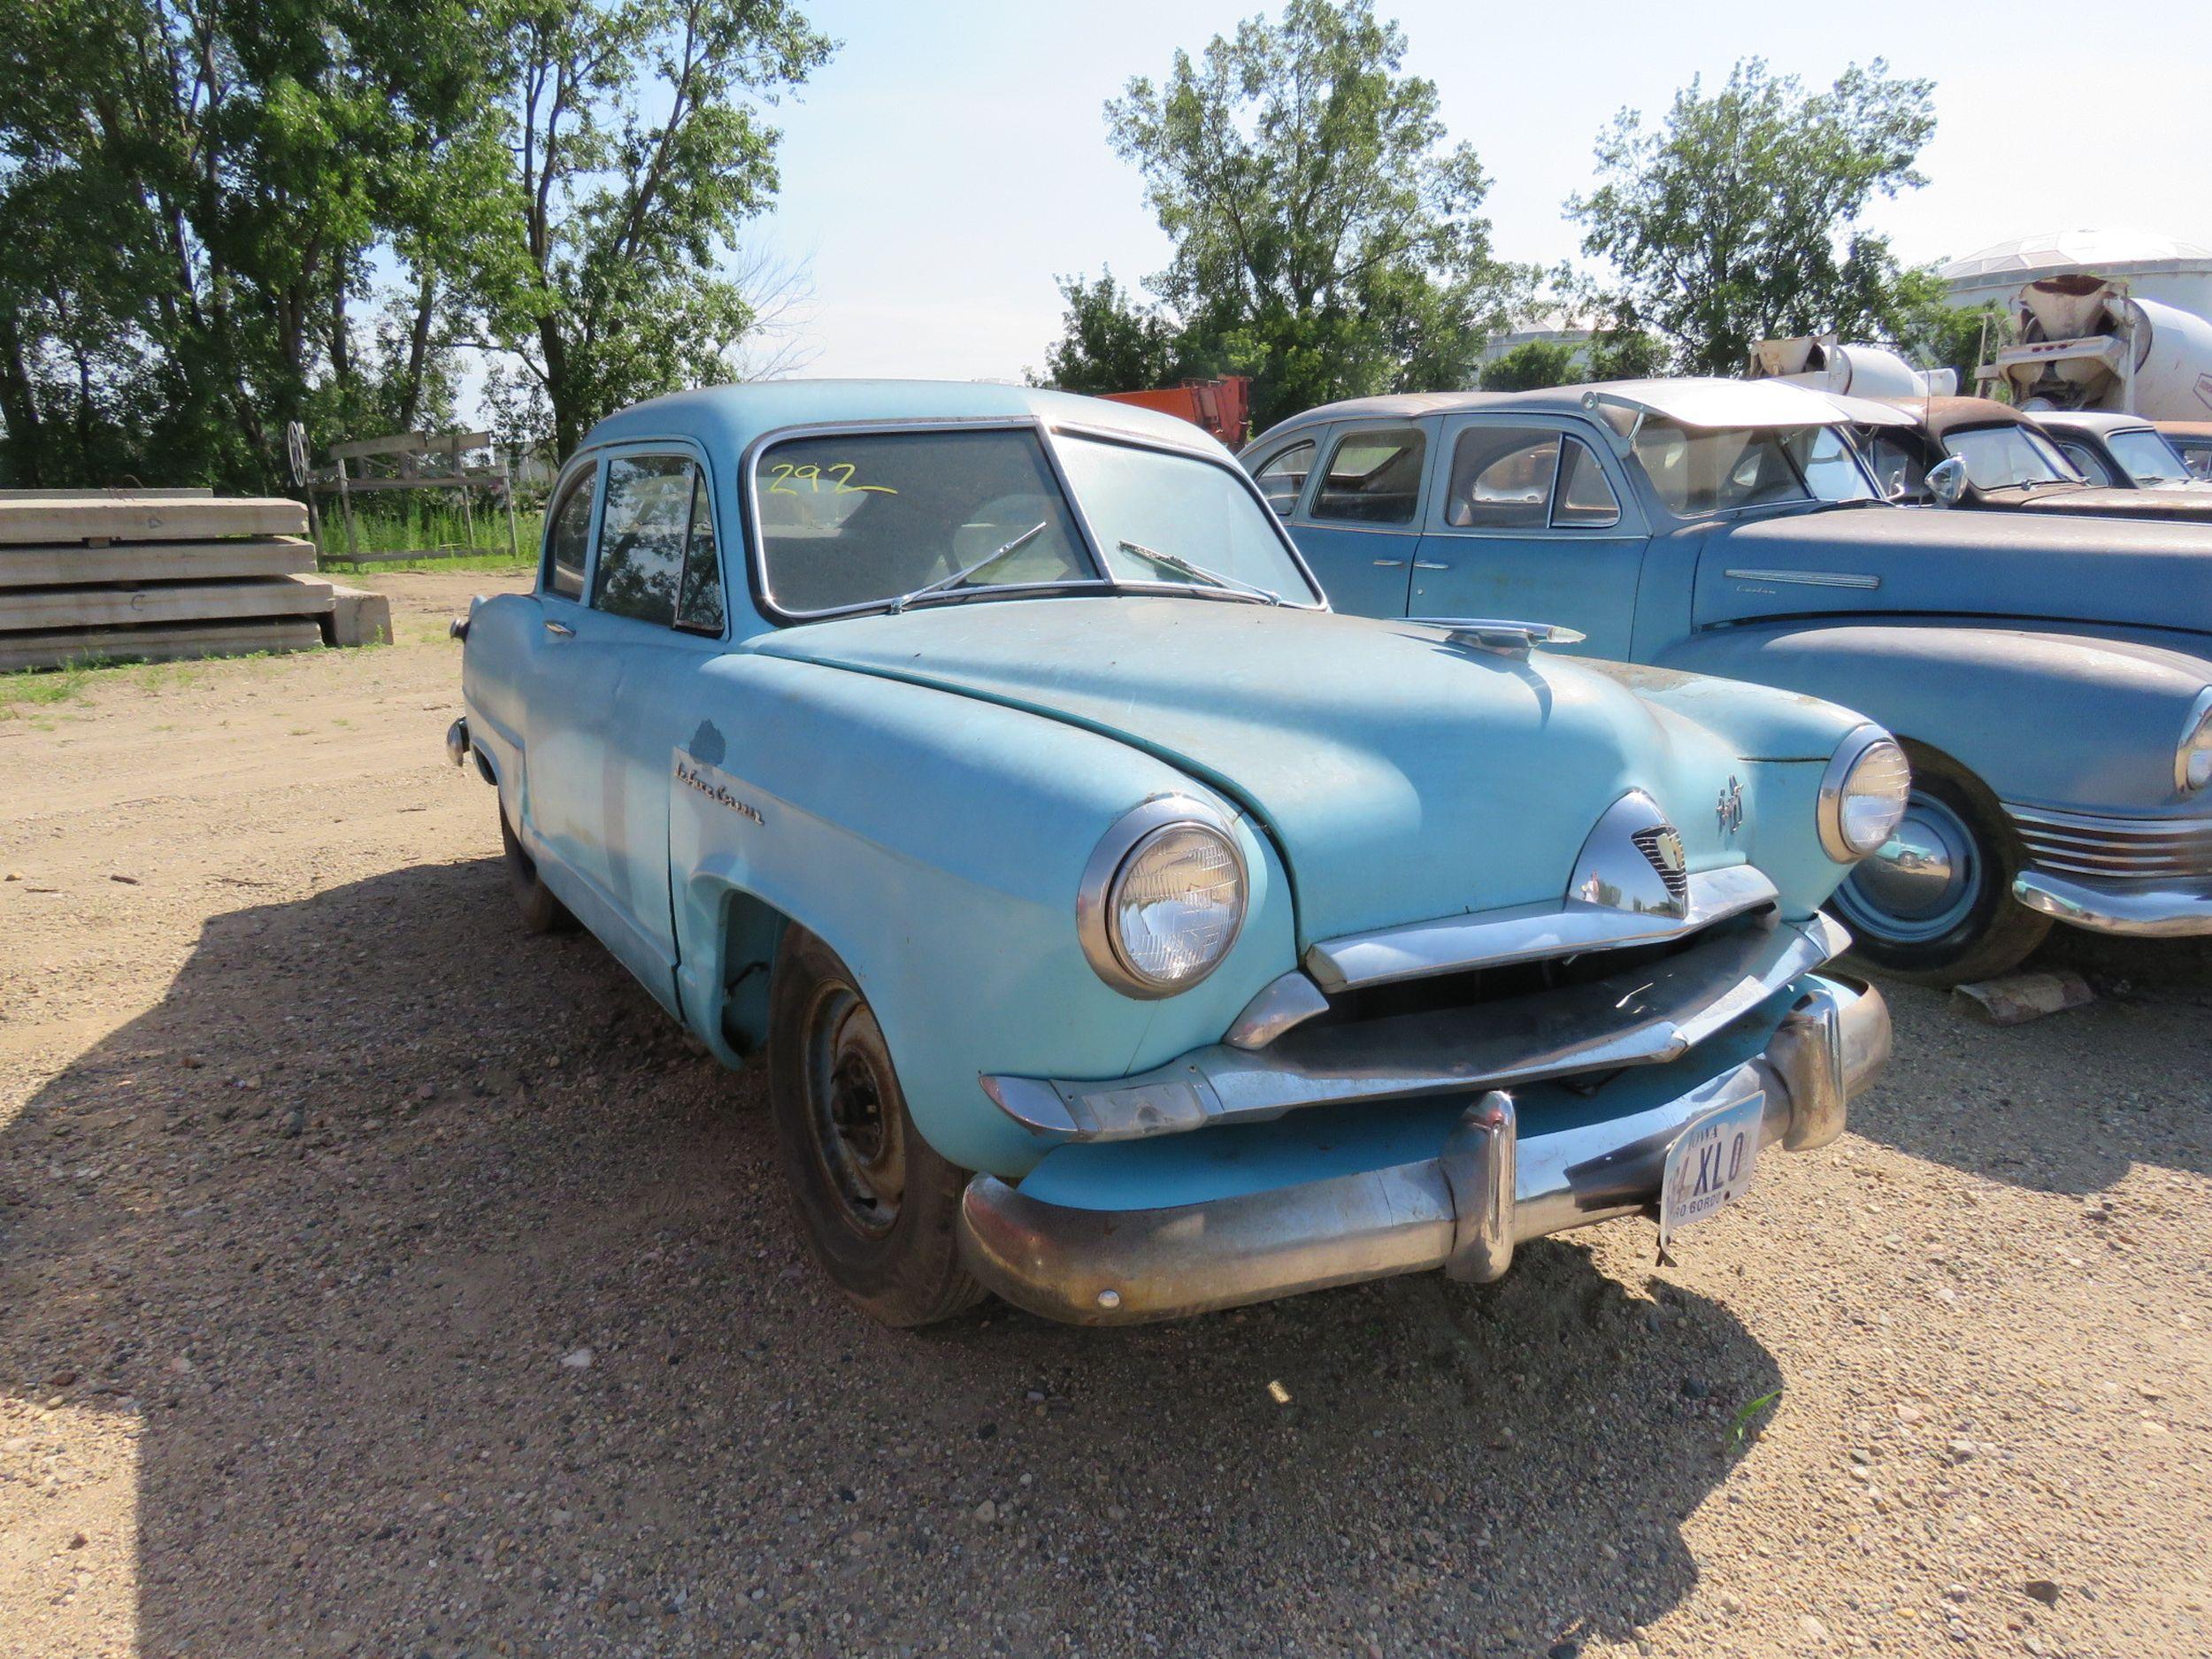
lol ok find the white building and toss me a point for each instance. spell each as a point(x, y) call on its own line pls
point(2164, 268)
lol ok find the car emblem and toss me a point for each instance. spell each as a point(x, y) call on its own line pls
point(1730, 810)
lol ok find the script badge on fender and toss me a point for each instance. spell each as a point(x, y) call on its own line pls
point(1710, 1165)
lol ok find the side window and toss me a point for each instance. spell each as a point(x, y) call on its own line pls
point(1501, 478)
point(699, 604)
point(1585, 500)
point(1374, 476)
point(570, 538)
point(1897, 467)
point(1283, 479)
point(2087, 462)
point(642, 536)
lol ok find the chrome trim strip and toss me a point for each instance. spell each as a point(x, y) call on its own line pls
point(1494, 939)
point(1288, 1000)
point(1491, 1188)
point(1644, 1017)
point(2136, 909)
point(1809, 579)
point(2142, 848)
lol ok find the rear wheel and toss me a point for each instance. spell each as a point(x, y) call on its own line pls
point(541, 912)
point(877, 1205)
point(1935, 905)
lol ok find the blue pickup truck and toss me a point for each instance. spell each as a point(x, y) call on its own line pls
point(2050, 676)
point(1128, 933)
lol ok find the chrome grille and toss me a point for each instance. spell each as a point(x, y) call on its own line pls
point(2115, 849)
point(1671, 866)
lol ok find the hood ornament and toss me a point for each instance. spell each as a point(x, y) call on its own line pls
point(1729, 810)
point(1633, 861)
point(1500, 637)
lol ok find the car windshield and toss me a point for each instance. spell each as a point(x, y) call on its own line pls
point(2149, 458)
point(1699, 470)
point(2009, 457)
point(855, 520)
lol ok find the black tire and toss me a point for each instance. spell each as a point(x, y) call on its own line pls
point(876, 1204)
point(541, 912)
point(1953, 929)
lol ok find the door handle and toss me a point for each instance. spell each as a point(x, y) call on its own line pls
point(1429, 565)
point(1388, 564)
point(559, 630)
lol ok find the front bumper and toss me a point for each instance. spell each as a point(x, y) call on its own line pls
point(2131, 910)
point(1489, 1185)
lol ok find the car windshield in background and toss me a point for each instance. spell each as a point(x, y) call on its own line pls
point(1700, 470)
point(2009, 457)
point(1197, 513)
point(861, 519)
point(850, 520)
point(2149, 458)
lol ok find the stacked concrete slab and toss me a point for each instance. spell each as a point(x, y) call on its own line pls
point(157, 575)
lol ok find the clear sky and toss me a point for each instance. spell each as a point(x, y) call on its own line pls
point(951, 160)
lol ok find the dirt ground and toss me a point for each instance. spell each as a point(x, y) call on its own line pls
point(376, 1279)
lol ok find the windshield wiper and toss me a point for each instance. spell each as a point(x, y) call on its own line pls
point(943, 583)
point(1176, 561)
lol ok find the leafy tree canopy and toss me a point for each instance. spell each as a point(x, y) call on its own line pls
point(1532, 365)
point(1736, 219)
point(1328, 239)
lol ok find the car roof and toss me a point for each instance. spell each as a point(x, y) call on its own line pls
point(731, 417)
point(1693, 401)
point(2086, 419)
point(1941, 415)
point(1872, 412)
point(2185, 428)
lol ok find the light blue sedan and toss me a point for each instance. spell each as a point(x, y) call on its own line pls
point(1128, 933)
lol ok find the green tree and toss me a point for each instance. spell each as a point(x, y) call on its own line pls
point(1328, 242)
point(638, 154)
point(1533, 364)
point(1736, 219)
point(1936, 334)
point(1109, 342)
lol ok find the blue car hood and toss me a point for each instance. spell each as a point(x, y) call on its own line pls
point(1401, 777)
point(1934, 561)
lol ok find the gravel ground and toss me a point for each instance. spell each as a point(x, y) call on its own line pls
point(378, 1279)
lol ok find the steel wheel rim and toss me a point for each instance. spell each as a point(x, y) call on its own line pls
point(852, 1116)
point(1925, 880)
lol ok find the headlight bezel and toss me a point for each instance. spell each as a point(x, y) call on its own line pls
point(1116, 852)
point(1834, 784)
point(2198, 725)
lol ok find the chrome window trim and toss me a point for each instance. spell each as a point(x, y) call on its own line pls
point(1103, 581)
point(1093, 923)
point(1559, 471)
point(1632, 523)
point(687, 450)
point(561, 485)
point(1830, 808)
point(1528, 932)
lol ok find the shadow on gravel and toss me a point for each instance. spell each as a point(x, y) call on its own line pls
point(2068, 1103)
point(454, 1297)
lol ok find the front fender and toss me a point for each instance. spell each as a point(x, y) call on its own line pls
point(936, 841)
point(2076, 721)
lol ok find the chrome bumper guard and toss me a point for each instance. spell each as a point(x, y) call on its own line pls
point(2133, 910)
point(456, 742)
point(1488, 1189)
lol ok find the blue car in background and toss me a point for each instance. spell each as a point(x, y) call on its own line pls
point(2051, 681)
point(1128, 933)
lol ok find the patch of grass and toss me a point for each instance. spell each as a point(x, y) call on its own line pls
point(498, 562)
point(28, 688)
point(25, 688)
point(403, 525)
point(1740, 1428)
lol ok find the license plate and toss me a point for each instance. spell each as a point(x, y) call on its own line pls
point(1709, 1166)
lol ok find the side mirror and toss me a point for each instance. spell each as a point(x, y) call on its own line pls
point(1947, 482)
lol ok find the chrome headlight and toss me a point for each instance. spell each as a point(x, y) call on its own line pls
point(1163, 898)
point(2193, 761)
point(1862, 795)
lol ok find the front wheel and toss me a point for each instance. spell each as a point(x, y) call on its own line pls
point(880, 1208)
point(1934, 906)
